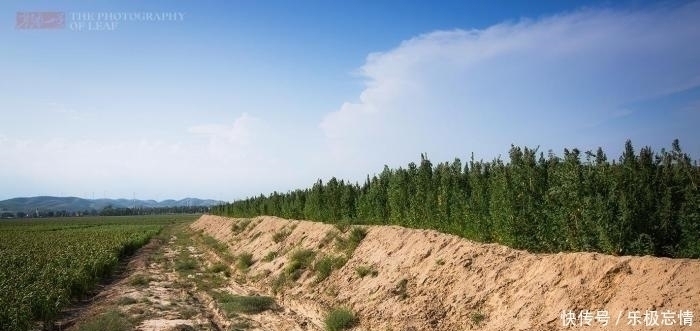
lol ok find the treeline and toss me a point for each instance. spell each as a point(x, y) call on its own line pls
point(109, 211)
point(642, 203)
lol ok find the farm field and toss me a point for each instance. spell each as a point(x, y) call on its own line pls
point(45, 264)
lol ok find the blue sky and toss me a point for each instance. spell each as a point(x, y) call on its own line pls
point(246, 97)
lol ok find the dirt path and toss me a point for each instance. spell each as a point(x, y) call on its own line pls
point(180, 284)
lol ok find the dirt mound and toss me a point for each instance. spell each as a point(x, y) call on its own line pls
point(426, 280)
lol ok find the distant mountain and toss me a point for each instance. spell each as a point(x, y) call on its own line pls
point(73, 204)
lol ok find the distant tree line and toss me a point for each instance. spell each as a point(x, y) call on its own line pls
point(108, 211)
point(48, 213)
point(645, 203)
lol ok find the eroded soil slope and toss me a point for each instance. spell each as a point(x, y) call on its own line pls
point(407, 279)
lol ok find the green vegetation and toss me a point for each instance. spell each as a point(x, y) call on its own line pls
point(271, 255)
point(240, 226)
point(477, 317)
point(220, 267)
point(641, 203)
point(326, 265)
point(244, 261)
point(234, 304)
point(353, 240)
point(340, 319)
point(279, 283)
point(401, 289)
point(299, 261)
point(215, 244)
point(123, 301)
point(46, 263)
point(363, 271)
point(280, 235)
point(139, 280)
point(111, 320)
point(185, 263)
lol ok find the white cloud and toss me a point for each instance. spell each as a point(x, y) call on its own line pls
point(536, 82)
point(245, 141)
point(239, 133)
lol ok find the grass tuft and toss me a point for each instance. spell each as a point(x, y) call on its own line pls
point(477, 317)
point(325, 266)
point(111, 320)
point(279, 283)
point(125, 301)
point(185, 263)
point(349, 244)
point(280, 235)
point(240, 226)
point(245, 260)
point(340, 319)
point(235, 304)
point(271, 255)
point(401, 289)
point(363, 271)
point(220, 267)
point(139, 280)
point(299, 261)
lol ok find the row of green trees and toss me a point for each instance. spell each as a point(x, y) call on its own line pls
point(642, 203)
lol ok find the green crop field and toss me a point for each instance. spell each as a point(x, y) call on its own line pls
point(47, 263)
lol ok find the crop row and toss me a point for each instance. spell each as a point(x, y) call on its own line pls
point(45, 266)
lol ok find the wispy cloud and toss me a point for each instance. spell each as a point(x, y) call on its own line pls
point(528, 82)
point(238, 133)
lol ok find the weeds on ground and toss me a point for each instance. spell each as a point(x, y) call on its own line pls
point(328, 238)
point(299, 261)
point(342, 225)
point(220, 267)
point(271, 255)
point(353, 240)
point(214, 243)
point(139, 280)
point(340, 319)
point(401, 288)
point(279, 283)
point(235, 304)
point(185, 263)
point(240, 226)
point(280, 235)
point(325, 266)
point(244, 261)
point(220, 248)
point(363, 271)
point(111, 320)
point(477, 317)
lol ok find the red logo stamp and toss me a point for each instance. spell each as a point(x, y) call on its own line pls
point(40, 20)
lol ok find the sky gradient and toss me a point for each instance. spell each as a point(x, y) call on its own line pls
point(250, 97)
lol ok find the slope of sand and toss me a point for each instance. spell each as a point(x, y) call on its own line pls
point(450, 283)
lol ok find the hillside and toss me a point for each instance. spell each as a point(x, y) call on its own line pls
point(74, 204)
point(426, 280)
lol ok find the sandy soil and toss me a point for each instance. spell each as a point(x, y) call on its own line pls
point(426, 280)
point(155, 294)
